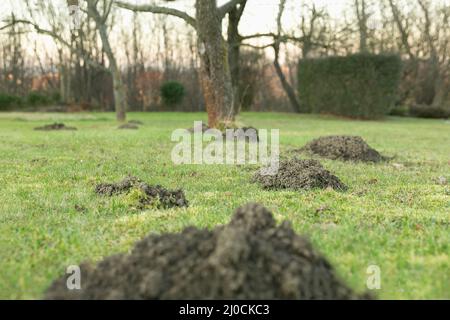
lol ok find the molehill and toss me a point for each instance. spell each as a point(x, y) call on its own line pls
point(249, 134)
point(144, 195)
point(136, 122)
point(298, 174)
point(55, 127)
point(250, 258)
point(128, 126)
point(345, 148)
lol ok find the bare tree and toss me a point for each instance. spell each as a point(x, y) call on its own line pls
point(276, 48)
point(13, 60)
point(215, 76)
point(234, 51)
point(403, 28)
point(99, 11)
point(435, 74)
point(100, 19)
point(362, 16)
point(424, 38)
point(278, 38)
point(313, 30)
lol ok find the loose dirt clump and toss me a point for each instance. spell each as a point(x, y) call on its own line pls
point(143, 195)
point(203, 128)
point(298, 174)
point(128, 126)
point(55, 127)
point(250, 258)
point(346, 148)
point(136, 122)
point(248, 133)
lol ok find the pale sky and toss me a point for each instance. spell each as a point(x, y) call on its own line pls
point(259, 15)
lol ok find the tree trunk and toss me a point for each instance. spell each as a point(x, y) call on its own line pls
point(290, 92)
point(276, 48)
point(234, 52)
point(361, 13)
point(438, 84)
point(215, 77)
point(118, 86)
point(62, 84)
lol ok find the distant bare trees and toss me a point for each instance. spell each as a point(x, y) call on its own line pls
point(234, 52)
point(424, 39)
point(13, 60)
point(311, 37)
point(362, 15)
point(121, 57)
point(100, 15)
point(98, 11)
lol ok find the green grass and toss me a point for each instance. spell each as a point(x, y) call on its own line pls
point(400, 222)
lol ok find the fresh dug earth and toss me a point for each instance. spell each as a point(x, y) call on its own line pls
point(250, 258)
point(55, 127)
point(136, 122)
point(346, 148)
point(203, 128)
point(298, 174)
point(142, 195)
point(245, 133)
point(128, 126)
point(239, 134)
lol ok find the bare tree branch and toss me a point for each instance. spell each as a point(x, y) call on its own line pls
point(158, 10)
point(107, 11)
point(402, 29)
point(290, 92)
point(227, 7)
point(259, 35)
point(57, 37)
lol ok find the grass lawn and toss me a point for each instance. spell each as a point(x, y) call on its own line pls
point(394, 215)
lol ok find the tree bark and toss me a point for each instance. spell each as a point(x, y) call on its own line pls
point(215, 76)
point(361, 14)
point(118, 86)
point(234, 52)
point(290, 92)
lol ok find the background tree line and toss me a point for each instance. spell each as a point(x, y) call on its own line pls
point(122, 53)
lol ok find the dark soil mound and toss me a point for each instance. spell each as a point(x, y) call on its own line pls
point(129, 126)
point(250, 258)
point(145, 195)
point(137, 122)
point(248, 133)
point(55, 127)
point(203, 128)
point(299, 174)
point(346, 148)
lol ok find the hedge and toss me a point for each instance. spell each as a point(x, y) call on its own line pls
point(172, 93)
point(360, 86)
point(8, 101)
point(36, 98)
point(430, 112)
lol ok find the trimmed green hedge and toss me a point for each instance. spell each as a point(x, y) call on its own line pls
point(33, 99)
point(430, 112)
point(36, 98)
point(8, 101)
point(172, 93)
point(361, 86)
